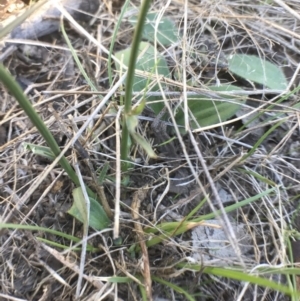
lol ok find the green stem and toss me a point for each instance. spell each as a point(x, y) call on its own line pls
point(10, 83)
point(130, 79)
point(25, 104)
point(124, 147)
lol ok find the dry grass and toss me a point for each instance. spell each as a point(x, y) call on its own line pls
point(34, 192)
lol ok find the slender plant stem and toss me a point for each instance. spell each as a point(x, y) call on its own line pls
point(130, 79)
point(25, 104)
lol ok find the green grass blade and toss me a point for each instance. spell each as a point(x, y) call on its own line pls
point(257, 176)
point(58, 245)
point(242, 276)
point(174, 287)
point(47, 230)
point(113, 40)
point(172, 225)
point(261, 139)
point(169, 228)
point(196, 209)
point(39, 150)
point(25, 104)
point(103, 173)
point(76, 58)
point(269, 108)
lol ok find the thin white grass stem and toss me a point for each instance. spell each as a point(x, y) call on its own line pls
point(287, 8)
point(294, 77)
point(118, 178)
point(8, 297)
point(224, 219)
point(243, 291)
point(44, 194)
point(175, 94)
point(85, 230)
point(54, 274)
point(99, 107)
point(184, 71)
point(225, 222)
point(162, 196)
point(112, 90)
point(80, 29)
point(74, 246)
point(182, 144)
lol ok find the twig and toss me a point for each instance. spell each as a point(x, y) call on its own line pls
point(138, 197)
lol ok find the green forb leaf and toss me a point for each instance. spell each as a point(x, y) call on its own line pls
point(149, 63)
point(207, 111)
point(166, 31)
point(144, 144)
point(131, 122)
point(255, 69)
point(39, 150)
point(98, 218)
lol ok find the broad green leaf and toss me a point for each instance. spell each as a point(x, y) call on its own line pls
point(208, 111)
point(98, 218)
point(258, 70)
point(79, 201)
point(147, 61)
point(166, 31)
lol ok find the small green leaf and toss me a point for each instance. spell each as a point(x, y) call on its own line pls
point(118, 241)
point(166, 31)
point(119, 279)
point(103, 173)
point(147, 62)
point(131, 122)
point(208, 111)
point(98, 218)
point(80, 203)
point(139, 109)
point(144, 144)
point(43, 151)
point(258, 70)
